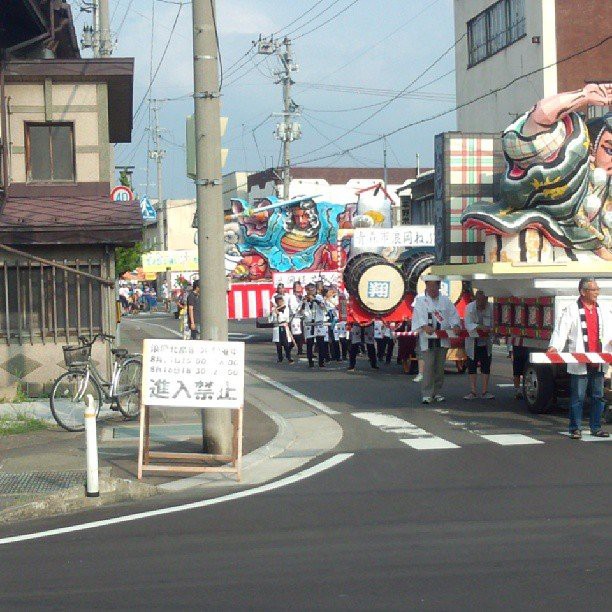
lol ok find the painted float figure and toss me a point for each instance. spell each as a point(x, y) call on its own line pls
point(557, 182)
point(283, 236)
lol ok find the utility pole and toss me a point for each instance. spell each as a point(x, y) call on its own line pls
point(158, 155)
point(385, 162)
point(106, 45)
point(288, 130)
point(216, 424)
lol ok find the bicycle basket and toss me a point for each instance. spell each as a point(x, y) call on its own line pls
point(76, 355)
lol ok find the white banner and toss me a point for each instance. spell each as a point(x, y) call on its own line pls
point(288, 278)
point(193, 374)
point(402, 236)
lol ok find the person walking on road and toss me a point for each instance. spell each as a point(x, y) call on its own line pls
point(193, 310)
point(585, 327)
point(433, 312)
point(281, 332)
point(479, 318)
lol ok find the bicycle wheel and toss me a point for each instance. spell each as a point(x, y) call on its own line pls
point(128, 388)
point(69, 399)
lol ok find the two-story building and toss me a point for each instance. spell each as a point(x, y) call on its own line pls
point(59, 115)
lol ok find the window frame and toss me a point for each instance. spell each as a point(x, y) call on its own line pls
point(510, 27)
point(49, 124)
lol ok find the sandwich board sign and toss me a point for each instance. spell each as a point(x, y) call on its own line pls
point(197, 374)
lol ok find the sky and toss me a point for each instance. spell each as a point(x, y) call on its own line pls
point(355, 46)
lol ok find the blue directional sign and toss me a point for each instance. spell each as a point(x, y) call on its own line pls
point(148, 212)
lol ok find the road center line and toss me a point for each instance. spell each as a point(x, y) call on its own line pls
point(292, 392)
point(283, 482)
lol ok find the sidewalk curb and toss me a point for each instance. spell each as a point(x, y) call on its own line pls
point(292, 447)
point(303, 433)
point(112, 490)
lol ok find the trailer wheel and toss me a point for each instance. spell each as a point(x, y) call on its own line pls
point(538, 388)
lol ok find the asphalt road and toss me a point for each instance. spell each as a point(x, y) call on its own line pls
point(432, 510)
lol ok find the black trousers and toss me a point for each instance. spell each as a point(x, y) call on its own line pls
point(299, 343)
point(344, 347)
point(283, 344)
point(354, 351)
point(321, 350)
point(384, 349)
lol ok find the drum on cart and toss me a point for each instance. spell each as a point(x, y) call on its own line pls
point(377, 285)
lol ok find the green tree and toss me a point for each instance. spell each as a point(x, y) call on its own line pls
point(128, 258)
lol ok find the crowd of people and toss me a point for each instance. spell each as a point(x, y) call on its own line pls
point(307, 319)
point(308, 316)
point(137, 297)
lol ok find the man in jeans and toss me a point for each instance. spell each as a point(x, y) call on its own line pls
point(193, 310)
point(585, 327)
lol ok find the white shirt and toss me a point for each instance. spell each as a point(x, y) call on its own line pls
point(475, 318)
point(441, 312)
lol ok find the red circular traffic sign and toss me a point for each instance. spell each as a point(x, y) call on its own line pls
point(121, 194)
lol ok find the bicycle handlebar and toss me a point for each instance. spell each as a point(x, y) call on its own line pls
point(104, 337)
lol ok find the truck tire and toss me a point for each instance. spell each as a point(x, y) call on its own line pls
point(538, 388)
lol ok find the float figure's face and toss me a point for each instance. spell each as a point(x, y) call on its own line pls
point(603, 153)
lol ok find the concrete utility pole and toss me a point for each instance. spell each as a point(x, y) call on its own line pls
point(286, 78)
point(288, 130)
point(158, 155)
point(216, 424)
point(106, 44)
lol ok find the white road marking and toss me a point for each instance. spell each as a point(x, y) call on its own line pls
point(391, 424)
point(432, 443)
point(511, 439)
point(292, 392)
point(231, 335)
point(420, 440)
point(587, 437)
point(283, 482)
point(505, 384)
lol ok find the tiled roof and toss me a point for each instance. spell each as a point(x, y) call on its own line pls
point(69, 220)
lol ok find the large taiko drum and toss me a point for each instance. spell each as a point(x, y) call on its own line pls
point(414, 267)
point(376, 284)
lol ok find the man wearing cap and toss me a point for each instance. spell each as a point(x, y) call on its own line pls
point(433, 312)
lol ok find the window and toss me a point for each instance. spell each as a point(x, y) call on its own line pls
point(50, 152)
point(494, 29)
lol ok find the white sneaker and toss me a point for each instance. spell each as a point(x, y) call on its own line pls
point(418, 378)
point(427, 400)
point(440, 398)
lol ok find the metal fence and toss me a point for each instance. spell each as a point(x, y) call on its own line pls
point(45, 303)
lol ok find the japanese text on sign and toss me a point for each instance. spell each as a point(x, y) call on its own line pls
point(402, 236)
point(193, 374)
point(379, 289)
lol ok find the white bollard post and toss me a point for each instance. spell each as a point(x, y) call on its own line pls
point(92, 488)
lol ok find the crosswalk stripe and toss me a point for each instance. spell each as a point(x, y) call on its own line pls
point(430, 443)
point(510, 439)
point(420, 438)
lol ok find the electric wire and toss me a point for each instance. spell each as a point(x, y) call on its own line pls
point(457, 107)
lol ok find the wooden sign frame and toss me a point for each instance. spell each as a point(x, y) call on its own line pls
point(145, 454)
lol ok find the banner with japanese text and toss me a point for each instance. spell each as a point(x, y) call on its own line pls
point(193, 374)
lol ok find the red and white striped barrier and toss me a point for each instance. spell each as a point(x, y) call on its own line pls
point(249, 300)
point(581, 358)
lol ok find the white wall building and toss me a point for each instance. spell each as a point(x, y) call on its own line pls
point(506, 39)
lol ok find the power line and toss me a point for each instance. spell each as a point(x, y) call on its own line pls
point(381, 39)
point(318, 27)
point(389, 102)
point(602, 42)
point(356, 108)
point(297, 18)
